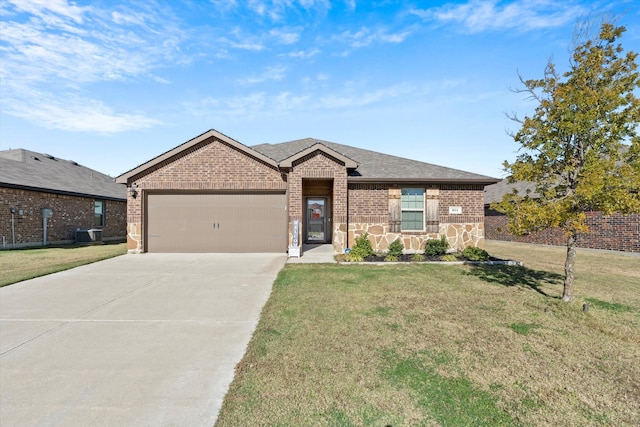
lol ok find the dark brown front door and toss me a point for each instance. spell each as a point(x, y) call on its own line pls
point(317, 229)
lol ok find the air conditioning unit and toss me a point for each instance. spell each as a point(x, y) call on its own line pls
point(91, 236)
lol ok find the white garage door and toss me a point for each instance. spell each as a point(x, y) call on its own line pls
point(246, 222)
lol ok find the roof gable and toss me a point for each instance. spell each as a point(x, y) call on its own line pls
point(288, 162)
point(175, 152)
point(33, 171)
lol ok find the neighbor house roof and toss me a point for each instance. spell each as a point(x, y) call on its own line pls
point(374, 166)
point(29, 170)
point(494, 192)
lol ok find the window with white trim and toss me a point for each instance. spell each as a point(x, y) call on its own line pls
point(412, 209)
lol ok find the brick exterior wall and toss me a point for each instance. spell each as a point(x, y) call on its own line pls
point(615, 232)
point(215, 165)
point(469, 197)
point(69, 214)
point(372, 201)
point(369, 203)
point(317, 165)
point(209, 166)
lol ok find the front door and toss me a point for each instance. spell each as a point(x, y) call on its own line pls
point(317, 219)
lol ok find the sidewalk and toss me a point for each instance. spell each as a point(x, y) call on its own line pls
point(313, 254)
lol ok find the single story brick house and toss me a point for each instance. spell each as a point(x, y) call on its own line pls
point(44, 199)
point(615, 232)
point(214, 194)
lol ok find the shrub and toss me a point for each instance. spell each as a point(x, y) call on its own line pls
point(435, 247)
point(449, 257)
point(341, 257)
point(417, 257)
point(395, 248)
point(391, 258)
point(475, 254)
point(354, 257)
point(362, 248)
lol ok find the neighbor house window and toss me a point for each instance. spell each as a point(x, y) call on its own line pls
point(98, 209)
point(413, 209)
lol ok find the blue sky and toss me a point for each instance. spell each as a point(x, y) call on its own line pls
point(112, 84)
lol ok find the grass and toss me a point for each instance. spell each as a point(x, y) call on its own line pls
point(22, 264)
point(433, 345)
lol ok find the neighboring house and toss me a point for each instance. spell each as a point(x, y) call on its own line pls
point(214, 194)
point(34, 186)
point(613, 232)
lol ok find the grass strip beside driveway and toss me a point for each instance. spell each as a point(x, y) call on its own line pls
point(407, 345)
point(23, 264)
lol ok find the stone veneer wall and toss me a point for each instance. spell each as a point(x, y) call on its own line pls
point(459, 235)
point(369, 213)
point(69, 214)
point(209, 166)
point(615, 232)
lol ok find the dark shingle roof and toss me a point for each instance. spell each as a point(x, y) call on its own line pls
point(373, 165)
point(494, 192)
point(42, 172)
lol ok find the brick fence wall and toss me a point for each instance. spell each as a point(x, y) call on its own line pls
point(614, 232)
point(69, 214)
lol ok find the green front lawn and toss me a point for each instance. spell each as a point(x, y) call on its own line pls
point(23, 264)
point(407, 345)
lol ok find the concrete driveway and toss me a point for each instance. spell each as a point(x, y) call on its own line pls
point(138, 340)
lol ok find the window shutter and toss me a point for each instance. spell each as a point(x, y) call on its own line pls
point(432, 208)
point(395, 210)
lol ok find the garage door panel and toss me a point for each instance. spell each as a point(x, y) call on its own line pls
point(216, 223)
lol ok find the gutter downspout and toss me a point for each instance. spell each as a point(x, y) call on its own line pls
point(347, 239)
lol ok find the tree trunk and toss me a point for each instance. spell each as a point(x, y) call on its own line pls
point(569, 268)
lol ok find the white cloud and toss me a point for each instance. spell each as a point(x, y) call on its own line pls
point(348, 98)
point(285, 36)
point(354, 99)
point(224, 5)
point(274, 10)
point(52, 49)
point(351, 4)
point(232, 106)
point(254, 46)
point(43, 9)
point(270, 74)
point(73, 113)
point(242, 41)
point(365, 37)
point(304, 53)
point(482, 15)
point(285, 101)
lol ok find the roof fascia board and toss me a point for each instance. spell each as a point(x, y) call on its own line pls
point(288, 162)
point(61, 192)
point(212, 133)
point(410, 181)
